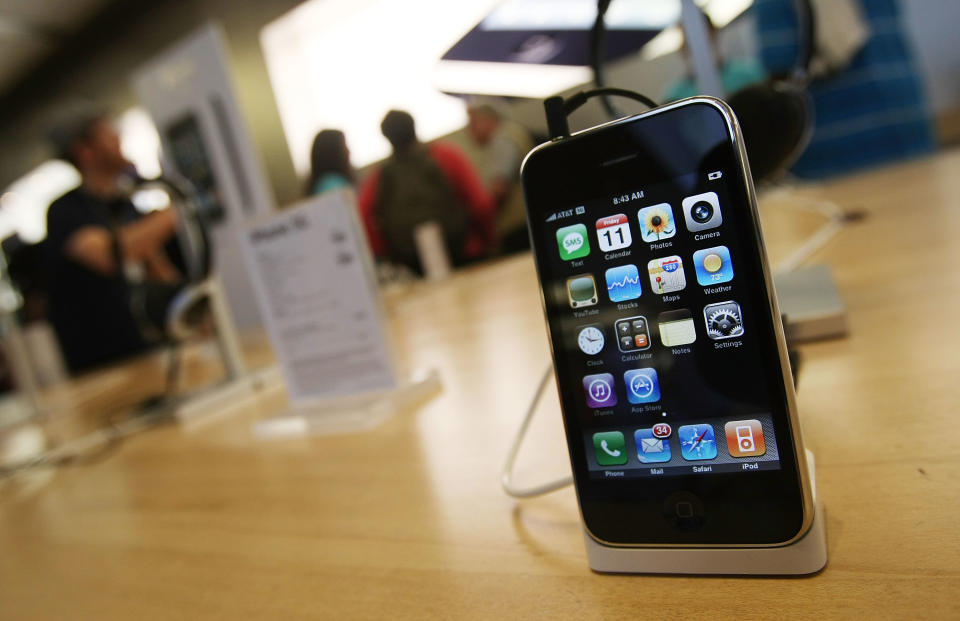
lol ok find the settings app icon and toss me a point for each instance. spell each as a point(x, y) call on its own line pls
point(724, 320)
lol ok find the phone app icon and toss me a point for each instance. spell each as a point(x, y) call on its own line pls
point(677, 327)
point(724, 320)
point(590, 340)
point(666, 274)
point(656, 222)
point(702, 212)
point(582, 291)
point(573, 242)
point(633, 333)
point(697, 442)
point(610, 448)
point(643, 386)
point(745, 438)
point(623, 283)
point(613, 232)
point(600, 392)
point(651, 449)
point(713, 265)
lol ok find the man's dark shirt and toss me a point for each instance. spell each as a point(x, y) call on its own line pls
point(90, 312)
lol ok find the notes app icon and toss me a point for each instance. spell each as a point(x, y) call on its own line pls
point(677, 327)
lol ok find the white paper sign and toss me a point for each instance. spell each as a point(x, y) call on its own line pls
point(316, 288)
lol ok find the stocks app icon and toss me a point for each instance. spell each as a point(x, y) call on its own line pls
point(599, 389)
point(623, 283)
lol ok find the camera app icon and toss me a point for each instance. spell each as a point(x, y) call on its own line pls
point(702, 211)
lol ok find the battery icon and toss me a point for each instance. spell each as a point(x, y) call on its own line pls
point(715, 175)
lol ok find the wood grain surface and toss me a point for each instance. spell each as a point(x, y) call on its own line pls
point(409, 521)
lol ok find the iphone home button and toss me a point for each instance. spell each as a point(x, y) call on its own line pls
point(683, 510)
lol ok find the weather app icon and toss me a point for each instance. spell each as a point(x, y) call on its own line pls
point(713, 265)
point(623, 283)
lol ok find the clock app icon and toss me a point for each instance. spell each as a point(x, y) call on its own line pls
point(590, 339)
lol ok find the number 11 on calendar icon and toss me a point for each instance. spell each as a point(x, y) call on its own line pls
point(613, 232)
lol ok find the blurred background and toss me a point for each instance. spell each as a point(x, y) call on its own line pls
point(325, 94)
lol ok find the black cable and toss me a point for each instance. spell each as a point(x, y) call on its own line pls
point(598, 35)
point(575, 101)
point(557, 109)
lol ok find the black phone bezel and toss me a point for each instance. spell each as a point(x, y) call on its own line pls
point(757, 508)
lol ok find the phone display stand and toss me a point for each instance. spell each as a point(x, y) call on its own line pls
point(350, 414)
point(803, 557)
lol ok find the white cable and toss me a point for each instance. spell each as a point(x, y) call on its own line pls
point(506, 478)
point(836, 220)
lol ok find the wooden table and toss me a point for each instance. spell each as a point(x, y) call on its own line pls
point(409, 521)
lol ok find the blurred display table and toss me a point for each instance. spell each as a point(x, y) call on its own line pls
point(409, 521)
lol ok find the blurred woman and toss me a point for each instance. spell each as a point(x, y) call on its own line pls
point(329, 163)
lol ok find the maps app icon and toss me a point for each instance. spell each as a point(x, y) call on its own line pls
point(623, 283)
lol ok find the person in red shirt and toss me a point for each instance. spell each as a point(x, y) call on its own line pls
point(420, 184)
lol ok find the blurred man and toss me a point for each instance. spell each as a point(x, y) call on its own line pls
point(420, 184)
point(501, 147)
point(92, 233)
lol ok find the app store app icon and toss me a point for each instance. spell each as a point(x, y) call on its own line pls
point(643, 386)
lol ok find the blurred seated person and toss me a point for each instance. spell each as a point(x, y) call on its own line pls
point(501, 147)
point(330, 167)
point(735, 73)
point(94, 233)
point(419, 184)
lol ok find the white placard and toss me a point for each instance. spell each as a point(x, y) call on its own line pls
point(189, 92)
point(314, 279)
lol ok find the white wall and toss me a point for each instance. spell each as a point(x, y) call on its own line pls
point(932, 28)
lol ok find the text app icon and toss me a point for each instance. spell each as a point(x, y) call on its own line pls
point(702, 212)
point(582, 291)
point(642, 385)
point(666, 274)
point(713, 265)
point(745, 438)
point(573, 242)
point(697, 442)
point(676, 327)
point(590, 340)
point(610, 448)
point(723, 320)
point(656, 222)
point(651, 448)
point(613, 232)
point(633, 333)
point(600, 392)
point(623, 283)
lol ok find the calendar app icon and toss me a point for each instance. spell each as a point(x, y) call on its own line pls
point(613, 232)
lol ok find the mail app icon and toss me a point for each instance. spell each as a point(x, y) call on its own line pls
point(651, 445)
point(651, 449)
